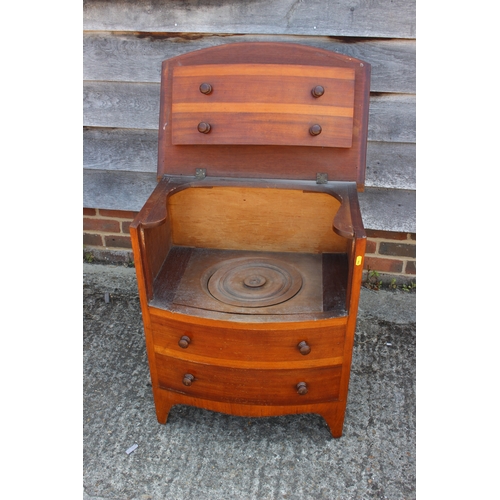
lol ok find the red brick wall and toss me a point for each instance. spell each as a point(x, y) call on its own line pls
point(393, 255)
point(106, 238)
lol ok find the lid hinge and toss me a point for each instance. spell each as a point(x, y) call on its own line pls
point(200, 173)
point(321, 178)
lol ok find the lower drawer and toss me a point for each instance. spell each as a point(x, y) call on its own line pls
point(249, 386)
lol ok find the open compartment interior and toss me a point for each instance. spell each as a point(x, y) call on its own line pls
point(252, 253)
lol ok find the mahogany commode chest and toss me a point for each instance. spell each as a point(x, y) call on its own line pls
point(249, 252)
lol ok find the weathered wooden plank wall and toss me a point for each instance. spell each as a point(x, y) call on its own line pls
point(124, 42)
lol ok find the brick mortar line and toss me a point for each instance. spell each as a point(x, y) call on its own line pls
point(101, 247)
point(104, 249)
point(117, 219)
point(98, 214)
point(391, 257)
point(395, 241)
point(106, 233)
point(408, 235)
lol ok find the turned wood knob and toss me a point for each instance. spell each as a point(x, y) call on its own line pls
point(302, 388)
point(304, 347)
point(205, 88)
point(184, 341)
point(204, 127)
point(188, 379)
point(315, 129)
point(318, 91)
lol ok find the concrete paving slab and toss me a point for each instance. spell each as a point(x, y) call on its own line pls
point(200, 454)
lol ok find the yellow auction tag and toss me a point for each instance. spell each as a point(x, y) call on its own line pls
point(358, 260)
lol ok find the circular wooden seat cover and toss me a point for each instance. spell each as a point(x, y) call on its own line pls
point(251, 282)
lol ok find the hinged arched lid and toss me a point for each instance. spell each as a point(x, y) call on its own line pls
point(264, 110)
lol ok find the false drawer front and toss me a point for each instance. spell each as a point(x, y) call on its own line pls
point(273, 104)
point(308, 343)
point(290, 386)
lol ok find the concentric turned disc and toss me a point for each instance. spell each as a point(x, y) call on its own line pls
point(249, 282)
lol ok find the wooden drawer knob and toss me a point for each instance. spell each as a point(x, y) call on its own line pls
point(302, 388)
point(204, 127)
point(315, 129)
point(318, 91)
point(184, 341)
point(188, 379)
point(304, 348)
point(206, 88)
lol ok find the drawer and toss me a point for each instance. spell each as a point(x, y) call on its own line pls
point(248, 386)
point(239, 343)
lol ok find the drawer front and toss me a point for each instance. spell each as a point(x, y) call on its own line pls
point(248, 386)
point(249, 345)
point(263, 104)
